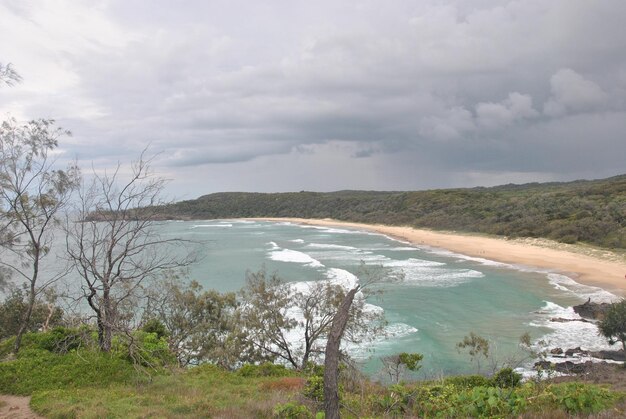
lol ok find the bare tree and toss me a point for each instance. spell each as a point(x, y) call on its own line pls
point(8, 75)
point(33, 195)
point(115, 244)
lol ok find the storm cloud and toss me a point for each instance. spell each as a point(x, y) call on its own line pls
point(292, 95)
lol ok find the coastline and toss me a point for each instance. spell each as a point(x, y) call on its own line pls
point(604, 272)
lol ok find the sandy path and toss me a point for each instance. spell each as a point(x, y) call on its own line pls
point(15, 407)
point(588, 266)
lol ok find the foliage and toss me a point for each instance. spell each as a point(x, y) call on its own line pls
point(33, 194)
point(144, 348)
point(90, 383)
point(397, 365)
point(506, 378)
point(464, 399)
point(203, 391)
point(200, 325)
point(477, 347)
point(14, 306)
point(38, 369)
point(578, 398)
point(272, 308)
point(613, 326)
point(583, 211)
point(155, 326)
point(467, 381)
point(292, 410)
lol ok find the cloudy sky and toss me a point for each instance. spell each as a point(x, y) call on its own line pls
point(291, 95)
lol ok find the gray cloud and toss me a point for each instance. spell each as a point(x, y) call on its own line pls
point(241, 91)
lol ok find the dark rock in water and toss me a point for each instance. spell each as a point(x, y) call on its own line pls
point(562, 320)
point(576, 352)
point(567, 367)
point(611, 355)
point(556, 351)
point(593, 311)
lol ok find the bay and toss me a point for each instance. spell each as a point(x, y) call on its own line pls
point(442, 298)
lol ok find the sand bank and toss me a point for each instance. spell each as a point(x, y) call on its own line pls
point(600, 268)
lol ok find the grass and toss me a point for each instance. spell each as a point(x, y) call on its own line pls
point(205, 391)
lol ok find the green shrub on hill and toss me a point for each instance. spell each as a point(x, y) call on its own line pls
point(583, 211)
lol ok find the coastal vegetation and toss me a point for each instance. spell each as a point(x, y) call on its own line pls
point(80, 380)
point(592, 212)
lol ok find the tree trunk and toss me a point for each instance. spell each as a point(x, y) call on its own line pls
point(31, 304)
point(106, 321)
point(331, 361)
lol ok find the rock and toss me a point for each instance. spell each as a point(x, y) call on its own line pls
point(562, 320)
point(567, 367)
point(610, 355)
point(556, 351)
point(576, 352)
point(593, 311)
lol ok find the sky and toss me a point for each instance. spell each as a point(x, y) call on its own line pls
point(291, 95)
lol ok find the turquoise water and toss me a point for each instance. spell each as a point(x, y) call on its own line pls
point(442, 297)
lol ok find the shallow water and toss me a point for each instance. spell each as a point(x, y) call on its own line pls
point(442, 297)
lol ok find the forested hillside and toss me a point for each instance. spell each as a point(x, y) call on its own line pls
point(582, 211)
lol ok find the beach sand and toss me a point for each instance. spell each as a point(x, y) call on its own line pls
point(589, 266)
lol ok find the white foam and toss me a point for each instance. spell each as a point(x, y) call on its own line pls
point(342, 277)
point(294, 256)
point(567, 284)
point(567, 335)
point(332, 230)
point(432, 274)
point(221, 225)
point(330, 246)
point(297, 241)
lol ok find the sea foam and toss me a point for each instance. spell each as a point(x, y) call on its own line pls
point(294, 256)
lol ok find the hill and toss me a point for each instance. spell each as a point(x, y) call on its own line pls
point(588, 211)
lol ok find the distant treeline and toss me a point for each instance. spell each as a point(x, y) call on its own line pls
point(582, 211)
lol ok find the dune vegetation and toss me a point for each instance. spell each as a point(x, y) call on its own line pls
point(592, 212)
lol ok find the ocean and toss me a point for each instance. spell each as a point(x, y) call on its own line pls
point(442, 297)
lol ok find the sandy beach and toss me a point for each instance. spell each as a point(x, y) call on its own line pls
point(588, 266)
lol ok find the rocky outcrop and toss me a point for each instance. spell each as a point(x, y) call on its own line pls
point(592, 311)
point(610, 355)
point(567, 367)
point(562, 320)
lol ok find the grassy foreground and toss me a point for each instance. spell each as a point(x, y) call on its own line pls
point(83, 383)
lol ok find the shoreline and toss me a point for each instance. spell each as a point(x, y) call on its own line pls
point(608, 274)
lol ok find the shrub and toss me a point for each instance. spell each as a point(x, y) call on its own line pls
point(506, 378)
point(578, 398)
point(292, 410)
point(468, 381)
point(38, 369)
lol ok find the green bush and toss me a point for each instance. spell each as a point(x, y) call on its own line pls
point(292, 410)
point(578, 398)
point(155, 326)
point(39, 369)
point(314, 388)
point(506, 378)
point(148, 349)
point(468, 381)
